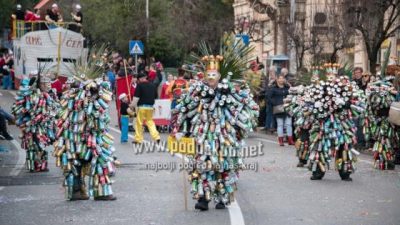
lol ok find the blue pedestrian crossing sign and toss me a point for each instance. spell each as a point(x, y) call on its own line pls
point(136, 47)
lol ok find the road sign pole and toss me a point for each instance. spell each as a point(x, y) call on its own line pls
point(136, 64)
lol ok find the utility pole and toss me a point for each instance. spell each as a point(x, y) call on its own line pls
point(147, 22)
point(147, 28)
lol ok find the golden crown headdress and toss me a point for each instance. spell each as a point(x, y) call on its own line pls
point(332, 67)
point(212, 62)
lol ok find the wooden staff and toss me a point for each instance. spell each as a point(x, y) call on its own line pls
point(127, 82)
point(184, 183)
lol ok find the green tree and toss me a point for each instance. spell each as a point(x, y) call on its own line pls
point(175, 26)
point(7, 7)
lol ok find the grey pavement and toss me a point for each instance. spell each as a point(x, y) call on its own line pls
point(278, 193)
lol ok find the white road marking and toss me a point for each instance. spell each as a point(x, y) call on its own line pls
point(21, 159)
point(1, 188)
point(266, 140)
point(235, 213)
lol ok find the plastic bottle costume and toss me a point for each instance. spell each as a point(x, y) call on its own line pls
point(376, 125)
point(219, 116)
point(302, 124)
point(34, 111)
point(294, 105)
point(84, 147)
point(330, 108)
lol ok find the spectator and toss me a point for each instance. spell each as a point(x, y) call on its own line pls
point(270, 119)
point(18, 14)
point(37, 14)
point(6, 81)
point(152, 73)
point(29, 16)
point(366, 79)
point(141, 65)
point(357, 75)
point(160, 74)
point(165, 86)
point(278, 91)
point(177, 87)
point(53, 15)
point(133, 85)
point(77, 16)
point(111, 77)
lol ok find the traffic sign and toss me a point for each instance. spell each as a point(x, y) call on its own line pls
point(244, 37)
point(136, 47)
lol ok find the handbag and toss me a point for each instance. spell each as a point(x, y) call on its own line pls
point(394, 113)
point(278, 109)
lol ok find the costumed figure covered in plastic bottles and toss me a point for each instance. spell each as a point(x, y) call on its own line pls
point(34, 111)
point(219, 116)
point(331, 106)
point(385, 136)
point(84, 146)
point(302, 117)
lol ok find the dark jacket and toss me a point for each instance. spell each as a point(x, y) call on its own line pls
point(276, 94)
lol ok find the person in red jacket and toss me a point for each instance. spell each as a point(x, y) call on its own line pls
point(165, 86)
point(177, 87)
point(133, 85)
point(152, 74)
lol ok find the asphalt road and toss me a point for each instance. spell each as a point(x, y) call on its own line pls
point(272, 191)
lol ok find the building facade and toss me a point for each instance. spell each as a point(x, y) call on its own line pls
point(307, 20)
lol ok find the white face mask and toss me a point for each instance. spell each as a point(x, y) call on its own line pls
point(213, 75)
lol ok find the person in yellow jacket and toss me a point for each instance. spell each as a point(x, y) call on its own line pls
point(145, 95)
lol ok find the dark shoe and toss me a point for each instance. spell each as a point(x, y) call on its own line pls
point(220, 206)
point(347, 179)
point(201, 204)
point(77, 196)
point(290, 140)
point(136, 143)
point(280, 140)
point(390, 165)
point(158, 141)
point(7, 136)
point(300, 164)
point(105, 198)
point(315, 177)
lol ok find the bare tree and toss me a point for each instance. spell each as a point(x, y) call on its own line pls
point(339, 35)
point(298, 41)
point(376, 20)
